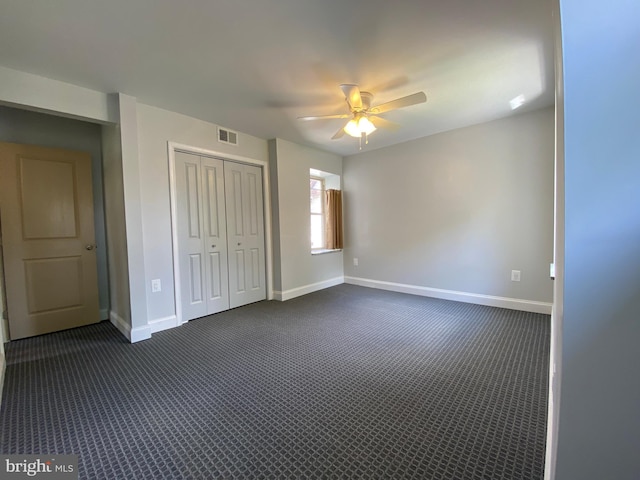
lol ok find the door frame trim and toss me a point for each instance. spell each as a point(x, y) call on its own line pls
point(172, 148)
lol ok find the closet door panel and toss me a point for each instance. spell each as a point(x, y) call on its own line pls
point(189, 225)
point(195, 279)
point(216, 284)
point(254, 236)
point(220, 222)
point(245, 233)
point(254, 197)
point(256, 280)
point(215, 235)
point(240, 284)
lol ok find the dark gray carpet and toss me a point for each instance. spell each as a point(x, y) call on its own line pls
point(347, 382)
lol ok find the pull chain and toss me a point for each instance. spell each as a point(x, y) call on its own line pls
point(366, 139)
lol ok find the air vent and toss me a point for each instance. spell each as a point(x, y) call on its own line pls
point(227, 136)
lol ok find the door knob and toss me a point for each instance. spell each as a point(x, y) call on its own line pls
point(239, 243)
point(90, 247)
point(213, 246)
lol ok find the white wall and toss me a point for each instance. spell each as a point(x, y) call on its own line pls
point(599, 422)
point(452, 214)
point(157, 127)
point(297, 271)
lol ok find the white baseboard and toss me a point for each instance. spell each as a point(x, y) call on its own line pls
point(120, 324)
point(490, 300)
point(314, 287)
point(132, 334)
point(165, 323)
point(140, 333)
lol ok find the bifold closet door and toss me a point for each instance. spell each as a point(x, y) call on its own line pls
point(245, 233)
point(202, 235)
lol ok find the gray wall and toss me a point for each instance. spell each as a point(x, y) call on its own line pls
point(23, 126)
point(599, 422)
point(120, 307)
point(275, 215)
point(296, 271)
point(457, 210)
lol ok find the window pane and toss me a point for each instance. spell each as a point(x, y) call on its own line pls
point(316, 184)
point(317, 238)
point(316, 201)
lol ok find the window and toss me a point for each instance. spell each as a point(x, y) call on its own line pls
point(325, 204)
point(316, 191)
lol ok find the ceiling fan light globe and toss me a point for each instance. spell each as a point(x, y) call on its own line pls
point(351, 128)
point(365, 126)
point(359, 125)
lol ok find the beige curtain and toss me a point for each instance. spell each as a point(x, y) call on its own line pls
point(333, 219)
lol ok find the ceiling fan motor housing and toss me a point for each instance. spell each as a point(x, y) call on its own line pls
point(366, 101)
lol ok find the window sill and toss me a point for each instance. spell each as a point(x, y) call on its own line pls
point(322, 251)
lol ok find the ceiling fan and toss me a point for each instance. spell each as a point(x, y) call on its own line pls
point(363, 116)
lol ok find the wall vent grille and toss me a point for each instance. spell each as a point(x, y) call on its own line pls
point(227, 136)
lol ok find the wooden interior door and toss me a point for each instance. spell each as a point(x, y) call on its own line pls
point(48, 239)
point(245, 233)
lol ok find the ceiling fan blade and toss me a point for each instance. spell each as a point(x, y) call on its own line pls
point(352, 93)
point(380, 122)
point(339, 133)
point(407, 101)
point(325, 117)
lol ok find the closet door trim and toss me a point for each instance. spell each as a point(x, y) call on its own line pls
point(174, 147)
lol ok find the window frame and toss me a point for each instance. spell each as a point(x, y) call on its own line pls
point(322, 213)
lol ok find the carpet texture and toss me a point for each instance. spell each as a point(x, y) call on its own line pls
point(347, 382)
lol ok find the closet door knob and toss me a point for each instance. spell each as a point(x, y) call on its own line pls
point(213, 246)
point(239, 243)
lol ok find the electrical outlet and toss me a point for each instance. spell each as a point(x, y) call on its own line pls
point(515, 275)
point(355, 262)
point(156, 286)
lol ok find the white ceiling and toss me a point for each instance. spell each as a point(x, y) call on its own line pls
point(256, 65)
